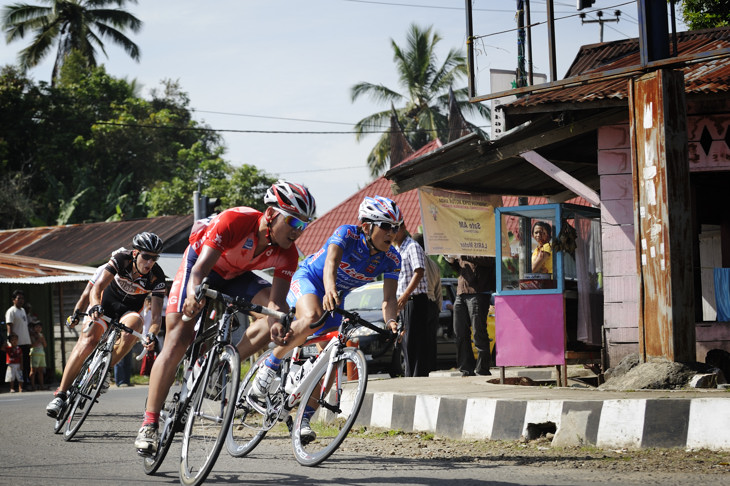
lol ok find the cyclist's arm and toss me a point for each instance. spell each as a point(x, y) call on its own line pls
point(203, 266)
point(83, 303)
point(103, 282)
point(156, 310)
point(390, 302)
point(277, 300)
point(277, 296)
point(329, 277)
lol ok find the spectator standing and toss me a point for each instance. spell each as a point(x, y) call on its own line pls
point(37, 358)
point(413, 303)
point(14, 360)
point(433, 277)
point(17, 322)
point(471, 308)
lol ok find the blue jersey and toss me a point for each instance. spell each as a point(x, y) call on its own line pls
point(357, 267)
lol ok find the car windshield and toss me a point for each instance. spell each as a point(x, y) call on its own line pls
point(365, 299)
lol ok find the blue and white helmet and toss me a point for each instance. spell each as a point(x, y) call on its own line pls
point(380, 209)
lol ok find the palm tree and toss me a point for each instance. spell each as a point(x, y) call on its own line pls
point(424, 115)
point(73, 25)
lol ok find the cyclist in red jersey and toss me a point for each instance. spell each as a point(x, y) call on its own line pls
point(225, 249)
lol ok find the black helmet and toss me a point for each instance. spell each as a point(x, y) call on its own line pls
point(149, 242)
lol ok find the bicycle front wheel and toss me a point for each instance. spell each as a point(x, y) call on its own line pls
point(86, 395)
point(212, 407)
point(169, 422)
point(61, 419)
point(248, 426)
point(336, 410)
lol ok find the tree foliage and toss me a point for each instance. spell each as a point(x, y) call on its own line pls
point(89, 149)
point(72, 25)
point(706, 14)
point(422, 104)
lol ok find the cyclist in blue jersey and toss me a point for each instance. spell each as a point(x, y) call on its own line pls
point(353, 256)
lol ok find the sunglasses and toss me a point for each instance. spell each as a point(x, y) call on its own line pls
point(387, 226)
point(293, 221)
point(148, 257)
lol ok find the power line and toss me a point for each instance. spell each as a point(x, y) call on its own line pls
point(534, 24)
point(232, 130)
point(270, 117)
point(394, 4)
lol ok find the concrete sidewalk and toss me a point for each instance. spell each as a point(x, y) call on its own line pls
point(471, 408)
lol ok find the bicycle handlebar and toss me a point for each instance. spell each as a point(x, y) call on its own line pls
point(354, 317)
point(241, 304)
point(121, 326)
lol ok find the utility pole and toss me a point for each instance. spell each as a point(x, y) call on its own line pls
point(600, 21)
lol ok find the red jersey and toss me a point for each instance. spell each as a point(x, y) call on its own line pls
point(234, 233)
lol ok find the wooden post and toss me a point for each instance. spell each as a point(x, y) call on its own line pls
point(662, 216)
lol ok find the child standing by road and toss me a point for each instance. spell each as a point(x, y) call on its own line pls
point(37, 357)
point(14, 360)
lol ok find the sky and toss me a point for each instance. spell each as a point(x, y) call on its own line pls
point(275, 75)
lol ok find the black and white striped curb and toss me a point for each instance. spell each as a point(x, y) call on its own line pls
point(626, 423)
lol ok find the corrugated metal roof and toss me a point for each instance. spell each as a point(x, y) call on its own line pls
point(26, 270)
point(91, 244)
point(700, 77)
point(346, 213)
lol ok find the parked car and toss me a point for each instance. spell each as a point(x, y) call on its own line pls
point(382, 357)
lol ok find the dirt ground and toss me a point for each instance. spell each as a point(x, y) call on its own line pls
point(538, 452)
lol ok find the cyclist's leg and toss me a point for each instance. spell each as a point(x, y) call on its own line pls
point(84, 347)
point(126, 341)
point(257, 290)
point(178, 336)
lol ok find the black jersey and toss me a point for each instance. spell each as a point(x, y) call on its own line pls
point(126, 293)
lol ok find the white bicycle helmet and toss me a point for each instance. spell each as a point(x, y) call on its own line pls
point(380, 209)
point(291, 198)
point(148, 242)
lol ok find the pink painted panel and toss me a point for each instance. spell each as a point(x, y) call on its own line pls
point(716, 126)
point(716, 331)
point(717, 158)
point(619, 263)
point(617, 237)
point(618, 186)
point(530, 330)
point(617, 211)
point(616, 161)
point(620, 289)
point(621, 314)
point(614, 136)
point(622, 335)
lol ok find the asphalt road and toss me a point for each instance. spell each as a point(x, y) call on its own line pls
point(102, 454)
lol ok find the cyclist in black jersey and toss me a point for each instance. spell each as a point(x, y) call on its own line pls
point(119, 293)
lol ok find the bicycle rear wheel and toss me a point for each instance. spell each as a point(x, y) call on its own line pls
point(212, 407)
point(172, 417)
point(336, 413)
point(86, 395)
point(248, 426)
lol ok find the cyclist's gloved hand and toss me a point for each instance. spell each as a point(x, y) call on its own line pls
point(74, 319)
point(152, 339)
point(97, 309)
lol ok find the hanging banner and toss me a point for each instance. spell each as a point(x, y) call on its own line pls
point(458, 223)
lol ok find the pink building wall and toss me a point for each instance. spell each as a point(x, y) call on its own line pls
point(617, 225)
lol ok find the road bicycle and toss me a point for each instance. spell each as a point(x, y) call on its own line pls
point(304, 381)
point(89, 382)
point(201, 402)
